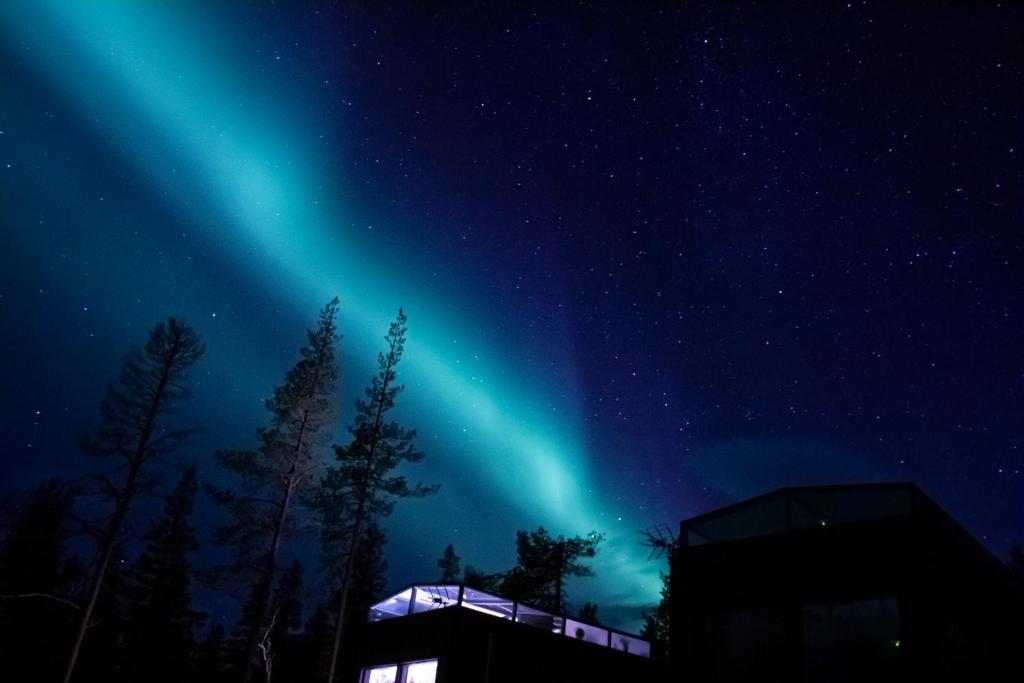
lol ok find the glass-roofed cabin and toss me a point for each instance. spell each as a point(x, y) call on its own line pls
point(430, 633)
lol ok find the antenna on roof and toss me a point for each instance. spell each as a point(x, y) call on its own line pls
point(660, 539)
point(439, 597)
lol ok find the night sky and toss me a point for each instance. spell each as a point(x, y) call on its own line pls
point(655, 258)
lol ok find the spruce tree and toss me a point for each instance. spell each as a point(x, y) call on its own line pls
point(474, 578)
point(450, 565)
point(312, 646)
point(34, 578)
point(276, 475)
point(657, 624)
point(588, 613)
point(158, 640)
point(133, 432)
point(208, 665)
point(362, 487)
point(544, 564)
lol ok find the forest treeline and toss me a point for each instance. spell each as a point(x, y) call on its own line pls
point(98, 574)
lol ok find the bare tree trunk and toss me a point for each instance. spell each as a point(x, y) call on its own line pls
point(109, 541)
point(292, 480)
point(263, 597)
point(120, 511)
point(343, 602)
point(267, 649)
point(358, 522)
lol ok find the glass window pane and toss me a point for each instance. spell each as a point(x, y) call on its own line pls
point(853, 641)
point(494, 605)
point(421, 672)
point(591, 634)
point(756, 519)
point(380, 674)
point(389, 608)
point(745, 646)
point(634, 646)
point(827, 506)
point(427, 598)
point(538, 618)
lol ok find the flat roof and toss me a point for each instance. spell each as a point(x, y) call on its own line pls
point(419, 598)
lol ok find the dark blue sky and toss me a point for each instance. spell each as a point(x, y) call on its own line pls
point(654, 258)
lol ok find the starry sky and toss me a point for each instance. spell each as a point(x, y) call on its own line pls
point(655, 257)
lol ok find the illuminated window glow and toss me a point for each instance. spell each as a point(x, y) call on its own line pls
point(420, 672)
point(380, 674)
point(423, 671)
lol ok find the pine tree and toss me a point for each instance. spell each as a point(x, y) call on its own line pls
point(158, 640)
point(362, 486)
point(588, 613)
point(209, 665)
point(474, 578)
point(663, 543)
point(369, 579)
point(450, 565)
point(152, 385)
point(34, 577)
point(312, 646)
point(656, 624)
point(544, 564)
point(369, 575)
point(101, 659)
point(276, 474)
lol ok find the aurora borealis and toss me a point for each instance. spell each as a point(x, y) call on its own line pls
point(652, 262)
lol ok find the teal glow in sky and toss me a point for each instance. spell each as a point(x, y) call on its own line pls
point(656, 257)
point(243, 156)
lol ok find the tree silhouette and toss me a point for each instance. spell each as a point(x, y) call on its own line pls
point(158, 638)
point(544, 564)
point(282, 638)
point(362, 487)
point(275, 475)
point(588, 613)
point(450, 565)
point(474, 578)
point(151, 387)
point(34, 577)
point(662, 543)
point(209, 665)
point(657, 623)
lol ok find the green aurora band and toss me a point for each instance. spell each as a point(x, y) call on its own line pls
point(168, 83)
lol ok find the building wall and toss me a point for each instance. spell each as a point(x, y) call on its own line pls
point(895, 599)
point(477, 648)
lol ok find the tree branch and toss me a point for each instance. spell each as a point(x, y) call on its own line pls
point(47, 596)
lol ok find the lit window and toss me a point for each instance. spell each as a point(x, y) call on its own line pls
point(381, 674)
point(634, 646)
point(420, 672)
point(591, 634)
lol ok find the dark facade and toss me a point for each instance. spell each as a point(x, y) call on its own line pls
point(452, 634)
point(841, 583)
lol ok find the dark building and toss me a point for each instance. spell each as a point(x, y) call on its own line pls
point(455, 634)
point(841, 583)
